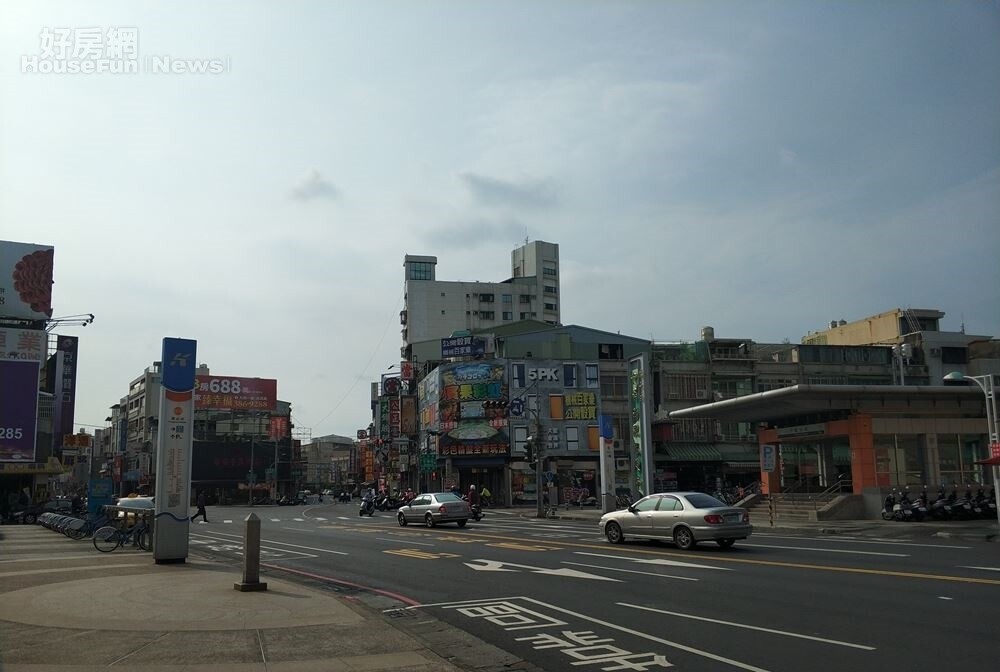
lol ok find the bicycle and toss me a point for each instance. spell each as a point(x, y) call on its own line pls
point(86, 527)
point(108, 538)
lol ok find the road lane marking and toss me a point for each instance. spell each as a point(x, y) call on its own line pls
point(522, 547)
point(631, 571)
point(826, 550)
point(608, 624)
point(419, 555)
point(778, 563)
point(409, 541)
point(941, 597)
point(295, 529)
point(853, 540)
point(499, 566)
point(655, 561)
point(784, 633)
point(986, 569)
point(276, 520)
point(283, 543)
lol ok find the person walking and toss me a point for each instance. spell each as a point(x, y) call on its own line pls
point(201, 508)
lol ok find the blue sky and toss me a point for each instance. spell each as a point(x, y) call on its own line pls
point(761, 167)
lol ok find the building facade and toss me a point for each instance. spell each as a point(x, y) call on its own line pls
point(435, 308)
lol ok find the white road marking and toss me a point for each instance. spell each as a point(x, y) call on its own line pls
point(985, 569)
point(317, 518)
point(941, 597)
point(276, 520)
point(826, 550)
point(498, 566)
point(80, 568)
point(299, 520)
point(295, 529)
point(642, 635)
point(654, 561)
point(632, 571)
point(749, 627)
point(227, 521)
point(282, 543)
point(853, 540)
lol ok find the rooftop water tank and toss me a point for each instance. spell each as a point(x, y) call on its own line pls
point(708, 333)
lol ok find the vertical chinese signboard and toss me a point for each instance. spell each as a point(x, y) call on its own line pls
point(21, 355)
point(640, 445)
point(173, 458)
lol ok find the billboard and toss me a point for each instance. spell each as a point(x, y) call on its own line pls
point(65, 406)
point(231, 393)
point(462, 346)
point(22, 344)
point(25, 280)
point(467, 430)
point(18, 410)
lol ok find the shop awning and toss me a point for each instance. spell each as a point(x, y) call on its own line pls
point(693, 454)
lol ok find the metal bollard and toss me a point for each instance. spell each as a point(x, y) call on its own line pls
point(251, 556)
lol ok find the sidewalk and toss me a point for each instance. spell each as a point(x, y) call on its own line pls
point(970, 530)
point(64, 607)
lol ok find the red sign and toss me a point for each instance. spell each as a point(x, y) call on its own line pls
point(995, 449)
point(229, 393)
point(278, 428)
point(406, 370)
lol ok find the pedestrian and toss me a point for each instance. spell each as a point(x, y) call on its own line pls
point(201, 508)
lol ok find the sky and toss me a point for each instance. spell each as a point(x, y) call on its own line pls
point(759, 167)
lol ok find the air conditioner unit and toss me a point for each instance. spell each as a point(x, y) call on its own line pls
point(701, 394)
point(935, 352)
point(617, 444)
point(621, 464)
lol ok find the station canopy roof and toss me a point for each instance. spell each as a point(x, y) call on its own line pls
point(788, 403)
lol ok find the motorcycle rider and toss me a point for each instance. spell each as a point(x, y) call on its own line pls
point(368, 501)
point(473, 499)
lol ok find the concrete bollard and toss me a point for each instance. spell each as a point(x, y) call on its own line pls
point(251, 556)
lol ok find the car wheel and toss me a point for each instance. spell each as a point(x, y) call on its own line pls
point(429, 520)
point(684, 539)
point(725, 543)
point(613, 532)
point(401, 519)
point(462, 523)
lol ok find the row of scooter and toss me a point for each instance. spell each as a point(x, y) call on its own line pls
point(898, 505)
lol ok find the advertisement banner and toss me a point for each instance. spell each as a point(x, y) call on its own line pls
point(278, 427)
point(18, 410)
point(25, 280)
point(173, 453)
point(27, 345)
point(641, 446)
point(231, 393)
point(408, 415)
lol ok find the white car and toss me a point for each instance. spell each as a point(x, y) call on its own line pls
point(684, 518)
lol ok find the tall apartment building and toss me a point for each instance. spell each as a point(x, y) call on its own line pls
point(437, 308)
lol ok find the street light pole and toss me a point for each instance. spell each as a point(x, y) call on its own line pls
point(985, 384)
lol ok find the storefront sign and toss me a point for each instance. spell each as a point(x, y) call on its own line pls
point(462, 346)
point(581, 406)
point(817, 429)
point(66, 384)
point(768, 457)
point(18, 410)
point(22, 344)
point(549, 373)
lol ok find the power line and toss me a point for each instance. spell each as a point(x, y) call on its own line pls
point(364, 371)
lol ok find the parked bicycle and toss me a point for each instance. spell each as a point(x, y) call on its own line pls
point(108, 538)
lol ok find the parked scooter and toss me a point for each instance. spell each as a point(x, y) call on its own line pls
point(888, 505)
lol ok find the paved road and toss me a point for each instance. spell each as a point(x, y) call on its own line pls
point(556, 593)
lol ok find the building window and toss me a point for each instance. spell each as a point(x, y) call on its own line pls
point(593, 377)
point(442, 312)
point(524, 316)
point(507, 298)
point(548, 270)
point(954, 356)
point(524, 298)
point(610, 351)
point(569, 375)
point(442, 293)
point(421, 270)
point(488, 314)
point(551, 306)
point(517, 375)
point(613, 386)
point(486, 298)
point(573, 438)
point(550, 289)
point(507, 315)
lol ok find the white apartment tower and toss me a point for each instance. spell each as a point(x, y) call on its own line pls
point(436, 308)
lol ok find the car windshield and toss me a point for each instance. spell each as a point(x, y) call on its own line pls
point(448, 497)
point(702, 501)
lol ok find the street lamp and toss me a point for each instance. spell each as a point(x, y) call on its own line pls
point(985, 384)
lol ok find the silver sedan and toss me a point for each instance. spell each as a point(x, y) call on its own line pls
point(682, 517)
point(432, 508)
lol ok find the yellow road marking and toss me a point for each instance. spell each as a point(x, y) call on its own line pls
point(523, 547)
point(421, 555)
point(459, 540)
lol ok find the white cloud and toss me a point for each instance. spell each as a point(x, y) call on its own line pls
point(313, 186)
